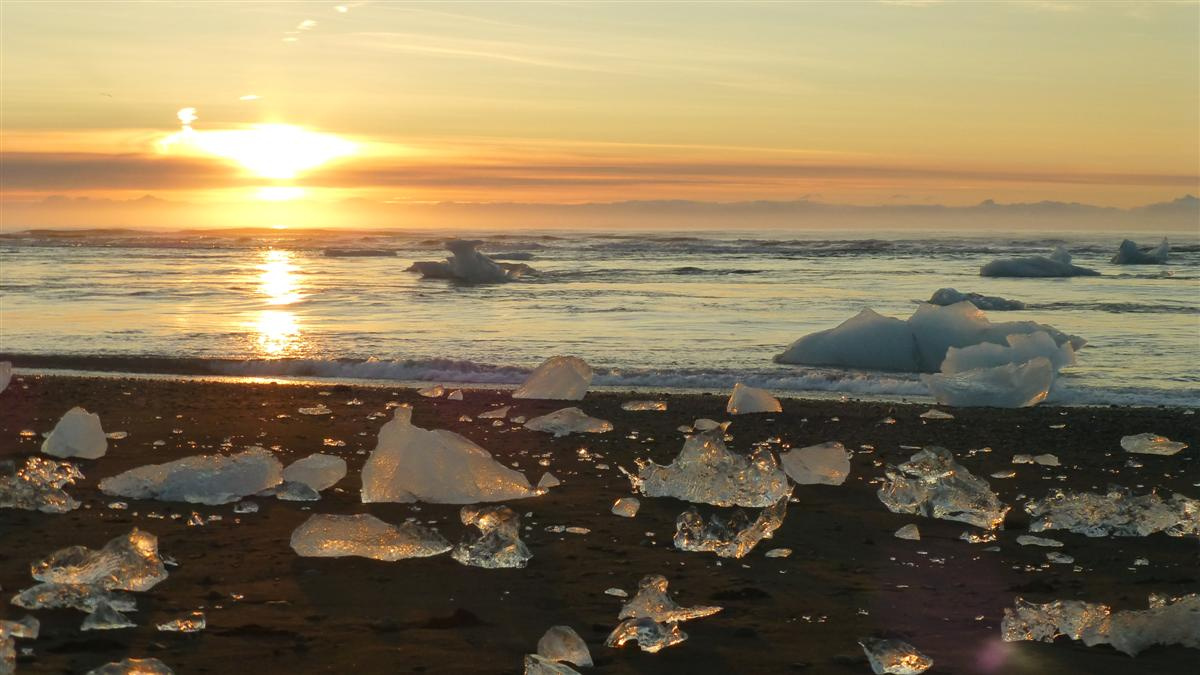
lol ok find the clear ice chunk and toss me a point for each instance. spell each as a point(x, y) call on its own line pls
point(494, 414)
point(455, 395)
point(291, 491)
point(436, 391)
point(364, 535)
point(626, 507)
point(318, 471)
point(1008, 386)
point(728, 538)
point(25, 629)
point(104, 617)
point(194, 622)
point(910, 532)
point(569, 421)
point(778, 553)
point(707, 472)
point(498, 543)
point(548, 480)
point(932, 484)
point(77, 434)
point(824, 464)
point(651, 636)
point(562, 643)
point(653, 602)
point(1168, 621)
point(1118, 513)
point(38, 486)
point(935, 414)
point(1028, 540)
point(536, 664)
point(131, 666)
point(745, 400)
point(641, 406)
point(129, 562)
point(82, 597)
point(560, 378)
point(412, 464)
point(200, 479)
point(894, 656)
point(318, 409)
point(1151, 444)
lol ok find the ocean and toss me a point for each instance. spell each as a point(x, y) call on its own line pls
point(649, 310)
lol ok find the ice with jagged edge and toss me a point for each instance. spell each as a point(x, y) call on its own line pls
point(83, 597)
point(894, 656)
point(131, 666)
point(129, 562)
point(569, 421)
point(1151, 444)
point(562, 643)
point(411, 464)
point(200, 479)
point(626, 507)
point(651, 636)
point(104, 617)
point(193, 622)
point(932, 484)
point(653, 602)
point(1057, 264)
point(469, 265)
point(707, 472)
point(1128, 253)
point(988, 303)
point(77, 434)
point(38, 486)
point(498, 543)
point(1118, 513)
point(559, 378)
point(746, 400)
point(731, 537)
point(824, 464)
point(364, 535)
point(1012, 385)
point(318, 471)
point(25, 629)
point(536, 664)
point(1020, 348)
point(1168, 621)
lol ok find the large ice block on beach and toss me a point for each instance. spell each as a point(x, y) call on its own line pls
point(824, 464)
point(1118, 513)
point(364, 535)
point(559, 378)
point(318, 471)
point(1151, 444)
point(895, 657)
point(653, 602)
point(562, 643)
point(83, 597)
point(1011, 385)
point(1057, 264)
point(411, 464)
point(77, 434)
point(707, 472)
point(38, 486)
point(932, 484)
point(1168, 621)
point(745, 400)
point(5, 375)
point(131, 666)
point(569, 421)
point(731, 537)
point(1129, 254)
point(200, 479)
point(1021, 348)
point(469, 265)
point(988, 303)
point(129, 562)
point(498, 543)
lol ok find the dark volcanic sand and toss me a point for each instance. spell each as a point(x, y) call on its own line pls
point(848, 577)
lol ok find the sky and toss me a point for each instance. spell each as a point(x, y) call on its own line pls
point(307, 104)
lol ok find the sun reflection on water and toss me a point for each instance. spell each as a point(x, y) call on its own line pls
point(278, 329)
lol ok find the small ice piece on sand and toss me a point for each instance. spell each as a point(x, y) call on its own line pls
point(778, 553)
point(1045, 460)
point(1059, 558)
point(1151, 444)
point(626, 507)
point(494, 414)
point(569, 421)
point(932, 484)
point(824, 464)
point(200, 479)
point(1128, 253)
point(641, 406)
point(935, 414)
point(705, 424)
point(436, 391)
point(910, 532)
point(194, 622)
point(536, 664)
point(25, 629)
point(745, 400)
point(1118, 513)
point(129, 562)
point(38, 486)
point(707, 472)
point(616, 592)
point(548, 480)
point(77, 434)
point(364, 535)
point(1010, 385)
point(895, 657)
point(84, 598)
point(728, 538)
point(651, 636)
point(1029, 540)
point(5, 375)
point(104, 617)
point(1168, 621)
point(318, 471)
point(292, 491)
point(319, 409)
point(562, 643)
point(117, 435)
point(455, 395)
point(245, 507)
point(561, 378)
point(412, 464)
point(653, 602)
point(131, 666)
point(498, 543)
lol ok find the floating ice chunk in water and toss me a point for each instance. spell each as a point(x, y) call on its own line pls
point(84, 598)
point(5, 375)
point(562, 643)
point(455, 395)
point(1129, 254)
point(1058, 264)
point(824, 464)
point(435, 391)
point(894, 656)
point(364, 535)
point(1008, 386)
point(498, 544)
point(562, 378)
point(469, 265)
point(548, 480)
point(1151, 444)
point(536, 664)
point(569, 421)
point(291, 491)
point(104, 617)
point(910, 532)
point(745, 400)
point(494, 414)
point(989, 303)
point(200, 479)
point(318, 471)
point(651, 636)
point(319, 409)
point(194, 622)
point(129, 562)
point(1028, 540)
point(728, 538)
point(626, 507)
point(38, 486)
point(77, 434)
point(706, 472)
point(1118, 513)
point(1166, 622)
point(25, 629)
point(932, 484)
point(131, 666)
point(653, 602)
point(658, 406)
point(935, 414)
point(412, 464)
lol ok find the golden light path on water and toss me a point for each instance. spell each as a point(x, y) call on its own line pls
point(278, 329)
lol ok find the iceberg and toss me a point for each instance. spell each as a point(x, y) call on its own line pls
point(129, 562)
point(562, 643)
point(988, 303)
point(1129, 254)
point(1151, 444)
point(894, 656)
point(130, 666)
point(932, 484)
point(200, 479)
point(318, 471)
point(498, 543)
point(569, 421)
point(559, 378)
point(1168, 621)
point(536, 664)
point(1021, 348)
point(469, 265)
point(1009, 386)
point(728, 538)
point(77, 434)
point(745, 400)
point(411, 464)
point(1057, 264)
point(707, 472)
point(824, 464)
point(1118, 513)
point(38, 486)
point(364, 535)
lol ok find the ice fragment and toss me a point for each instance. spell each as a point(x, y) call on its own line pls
point(1118, 513)
point(77, 434)
point(194, 622)
point(657, 406)
point(364, 535)
point(910, 532)
point(824, 464)
point(626, 507)
point(1151, 444)
point(569, 421)
point(129, 562)
point(707, 472)
point(200, 479)
point(564, 378)
point(104, 617)
point(932, 484)
point(728, 538)
point(318, 471)
point(894, 656)
point(38, 486)
point(745, 400)
point(498, 544)
point(562, 643)
point(130, 666)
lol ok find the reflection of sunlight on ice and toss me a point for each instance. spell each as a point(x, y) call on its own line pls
point(278, 331)
point(276, 280)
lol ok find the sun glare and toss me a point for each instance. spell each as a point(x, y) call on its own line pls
point(277, 193)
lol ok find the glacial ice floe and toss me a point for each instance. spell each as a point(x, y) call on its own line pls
point(318, 471)
point(706, 472)
point(562, 643)
point(498, 543)
point(1128, 253)
point(569, 421)
point(77, 434)
point(38, 485)
point(132, 666)
point(129, 562)
point(1151, 444)
point(1168, 621)
point(932, 484)
point(745, 400)
point(1057, 264)
point(469, 265)
point(200, 479)
point(559, 378)
point(411, 464)
point(731, 537)
point(364, 535)
point(824, 464)
point(987, 303)
point(1118, 513)
point(895, 657)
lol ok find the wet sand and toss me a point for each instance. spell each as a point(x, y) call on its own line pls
point(271, 611)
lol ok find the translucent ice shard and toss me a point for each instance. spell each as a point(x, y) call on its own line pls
point(653, 602)
point(626, 507)
point(364, 535)
point(104, 617)
point(910, 531)
point(1008, 386)
point(38, 486)
point(657, 406)
point(130, 666)
point(25, 629)
point(932, 484)
point(318, 471)
point(77, 434)
point(1027, 540)
point(455, 395)
point(895, 657)
point(498, 543)
point(562, 378)
point(1128, 253)
point(745, 400)
point(318, 409)
point(707, 472)
point(536, 664)
point(728, 538)
point(651, 636)
point(562, 643)
point(935, 414)
point(193, 622)
point(129, 562)
point(548, 480)
point(200, 479)
point(291, 491)
point(1118, 513)
point(778, 553)
point(494, 414)
point(569, 421)
point(824, 464)
point(1151, 444)
point(84, 598)
point(412, 464)
point(436, 391)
